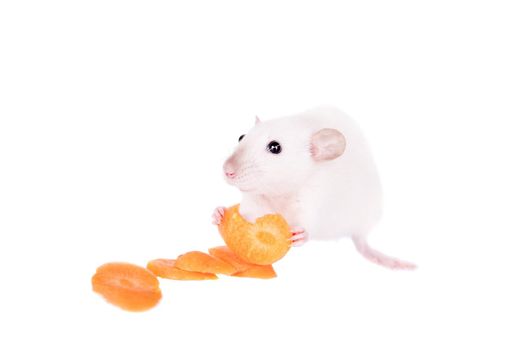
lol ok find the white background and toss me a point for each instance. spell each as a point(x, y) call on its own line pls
point(115, 118)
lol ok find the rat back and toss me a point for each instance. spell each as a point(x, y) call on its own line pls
point(342, 197)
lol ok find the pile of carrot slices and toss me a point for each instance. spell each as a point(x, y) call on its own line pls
point(201, 266)
point(134, 288)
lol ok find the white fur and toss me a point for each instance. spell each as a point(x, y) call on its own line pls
point(329, 199)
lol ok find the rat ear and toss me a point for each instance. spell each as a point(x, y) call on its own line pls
point(327, 144)
point(257, 120)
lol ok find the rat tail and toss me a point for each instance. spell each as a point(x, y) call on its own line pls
point(379, 258)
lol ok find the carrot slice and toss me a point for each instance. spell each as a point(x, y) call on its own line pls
point(202, 262)
point(244, 269)
point(257, 271)
point(262, 243)
point(225, 254)
point(165, 268)
point(127, 286)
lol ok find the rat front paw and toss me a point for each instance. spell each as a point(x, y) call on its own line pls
point(218, 214)
point(298, 236)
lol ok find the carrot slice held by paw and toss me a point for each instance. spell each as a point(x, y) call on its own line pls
point(127, 286)
point(257, 271)
point(262, 243)
point(202, 262)
point(165, 268)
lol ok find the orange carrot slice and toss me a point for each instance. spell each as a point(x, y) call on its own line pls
point(262, 243)
point(127, 286)
point(165, 268)
point(244, 269)
point(202, 262)
point(225, 254)
point(257, 271)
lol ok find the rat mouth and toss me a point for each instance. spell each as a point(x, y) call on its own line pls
point(241, 182)
point(246, 177)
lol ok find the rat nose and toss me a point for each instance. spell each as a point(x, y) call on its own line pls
point(228, 170)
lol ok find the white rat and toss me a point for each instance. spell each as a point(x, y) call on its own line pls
point(316, 170)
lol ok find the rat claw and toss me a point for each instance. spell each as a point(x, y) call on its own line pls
point(298, 236)
point(296, 230)
point(298, 243)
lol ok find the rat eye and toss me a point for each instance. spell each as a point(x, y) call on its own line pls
point(241, 137)
point(274, 147)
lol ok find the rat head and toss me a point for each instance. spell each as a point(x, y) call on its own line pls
point(277, 157)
